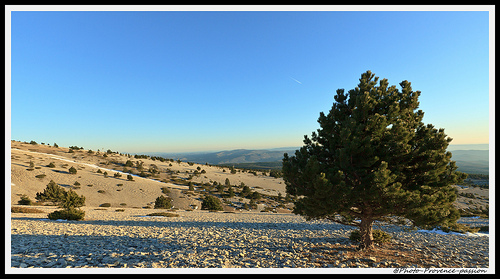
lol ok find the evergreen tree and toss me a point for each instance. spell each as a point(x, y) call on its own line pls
point(230, 192)
point(69, 201)
point(53, 193)
point(374, 158)
point(211, 203)
point(72, 170)
point(163, 202)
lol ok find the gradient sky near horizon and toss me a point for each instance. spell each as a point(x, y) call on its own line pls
point(178, 81)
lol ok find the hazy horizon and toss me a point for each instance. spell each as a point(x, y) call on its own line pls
point(192, 81)
point(451, 147)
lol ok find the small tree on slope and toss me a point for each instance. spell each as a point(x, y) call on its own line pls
point(69, 201)
point(374, 158)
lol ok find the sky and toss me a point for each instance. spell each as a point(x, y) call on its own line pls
point(181, 81)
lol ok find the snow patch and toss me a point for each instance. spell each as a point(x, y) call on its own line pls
point(454, 233)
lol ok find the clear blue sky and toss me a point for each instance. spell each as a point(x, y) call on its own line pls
point(191, 81)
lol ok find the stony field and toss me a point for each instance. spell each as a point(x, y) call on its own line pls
point(202, 239)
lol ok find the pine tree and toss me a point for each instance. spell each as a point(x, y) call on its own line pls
point(374, 158)
point(72, 170)
point(53, 193)
point(211, 203)
point(69, 201)
point(163, 202)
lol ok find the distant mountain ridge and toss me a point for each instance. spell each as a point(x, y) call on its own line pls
point(469, 161)
point(233, 156)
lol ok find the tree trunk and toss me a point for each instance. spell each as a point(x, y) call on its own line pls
point(365, 229)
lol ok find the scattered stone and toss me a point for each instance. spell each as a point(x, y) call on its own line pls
point(207, 239)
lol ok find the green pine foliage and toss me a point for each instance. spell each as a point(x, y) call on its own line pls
point(373, 158)
point(211, 203)
point(163, 202)
point(52, 193)
point(67, 214)
point(68, 200)
point(72, 170)
point(379, 236)
point(25, 200)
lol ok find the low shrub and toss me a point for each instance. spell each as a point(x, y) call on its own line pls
point(163, 202)
point(459, 228)
point(379, 236)
point(67, 214)
point(106, 204)
point(211, 203)
point(484, 228)
point(25, 200)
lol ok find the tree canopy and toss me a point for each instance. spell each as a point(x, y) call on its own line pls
point(373, 158)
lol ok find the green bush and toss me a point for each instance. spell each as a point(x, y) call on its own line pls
point(67, 214)
point(24, 200)
point(379, 236)
point(163, 202)
point(52, 193)
point(71, 200)
point(459, 228)
point(51, 165)
point(211, 203)
point(245, 191)
point(72, 170)
point(255, 196)
point(67, 200)
point(106, 204)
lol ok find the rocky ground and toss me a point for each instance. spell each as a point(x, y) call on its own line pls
point(202, 239)
point(122, 236)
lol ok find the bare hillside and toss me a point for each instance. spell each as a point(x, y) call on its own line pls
point(102, 178)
